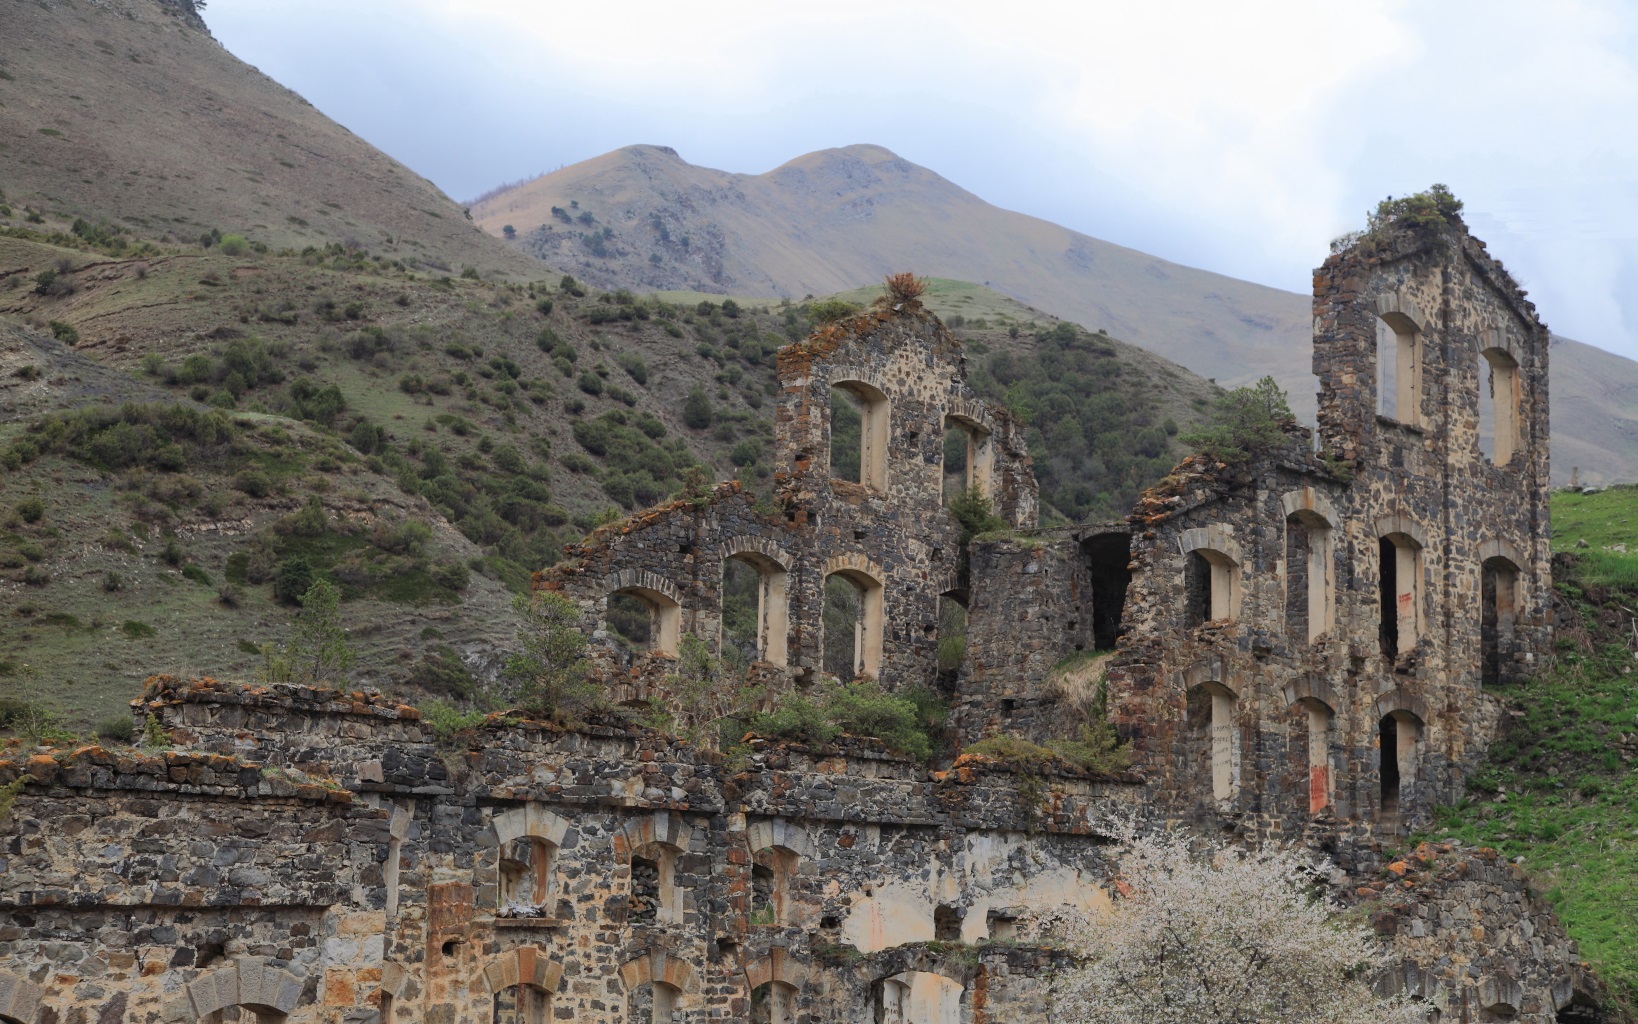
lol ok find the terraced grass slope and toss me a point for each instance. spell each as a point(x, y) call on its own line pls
point(130, 112)
point(1561, 789)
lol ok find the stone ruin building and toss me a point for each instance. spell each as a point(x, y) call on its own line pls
point(1302, 648)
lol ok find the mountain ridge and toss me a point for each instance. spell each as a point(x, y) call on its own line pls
point(642, 217)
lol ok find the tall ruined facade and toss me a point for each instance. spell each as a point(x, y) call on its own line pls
point(1302, 649)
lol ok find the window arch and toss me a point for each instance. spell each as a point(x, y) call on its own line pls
point(968, 456)
point(918, 997)
point(1498, 611)
point(656, 985)
point(1399, 586)
point(646, 617)
point(1399, 739)
point(853, 621)
point(19, 997)
point(521, 983)
point(859, 421)
point(1399, 359)
point(250, 983)
point(755, 606)
point(1499, 398)
point(773, 1003)
point(1211, 575)
point(1310, 575)
point(526, 877)
point(650, 846)
point(1212, 731)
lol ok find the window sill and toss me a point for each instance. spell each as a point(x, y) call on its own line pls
point(1389, 421)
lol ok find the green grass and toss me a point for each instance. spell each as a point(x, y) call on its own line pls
point(1560, 789)
point(1608, 522)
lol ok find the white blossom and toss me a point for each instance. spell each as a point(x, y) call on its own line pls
point(1202, 933)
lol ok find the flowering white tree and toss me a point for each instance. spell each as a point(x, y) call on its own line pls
point(1200, 933)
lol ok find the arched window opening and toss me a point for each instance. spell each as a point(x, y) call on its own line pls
point(917, 997)
point(952, 632)
point(1318, 718)
point(655, 896)
point(645, 620)
point(1212, 732)
point(1309, 585)
point(773, 1003)
point(522, 1004)
point(244, 1013)
point(1399, 574)
point(1108, 557)
point(653, 1003)
point(1211, 586)
point(526, 877)
point(1400, 732)
point(858, 434)
point(755, 609)
point(853, 624)
point(1498, 405)
point(1498, 611)
point(1399, 368)
point(773, 874)
point(969, 458)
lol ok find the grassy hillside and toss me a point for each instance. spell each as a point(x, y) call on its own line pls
point(642, 217)
point(133, 114)
point(508, 418)
point(1561, 789)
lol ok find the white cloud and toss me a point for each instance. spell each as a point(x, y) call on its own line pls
point(1235, 136)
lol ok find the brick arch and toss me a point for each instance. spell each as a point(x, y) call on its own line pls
point(1209, 670)
point(778, 966)
point(253, 981)
point(1216, 537)
point(1396, 306)
point(1500, 339)
point(641, 579)
point(529, 820)
point(750, 545)
point(658, 827)
point(1404, 525)
point(971, 412)
point(1307, 501)
point(526, 965)
point(764, 835)
point(851, 561)
point(1500, 547)
point(1310, 688)
point(1399, 700)
point(19, 998)
point(659, 966)
point(855, 374)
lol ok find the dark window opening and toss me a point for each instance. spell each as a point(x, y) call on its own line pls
point(632, 620)
point(1499, 583)
point(1197, 589)
point(1390, 770)
point(1388, 588)
point(947, 923)
point(1108, 556)
point(741, 609)
point(952, 632)
point(1298, 544)
point(846, 435)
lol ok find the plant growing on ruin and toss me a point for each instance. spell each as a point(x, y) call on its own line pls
point(1245, 421)
point(1203, 933)
point(902, 288)
point(549, 675)
point(1432, 208)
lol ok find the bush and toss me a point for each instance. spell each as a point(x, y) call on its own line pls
point(197, 575)
point(453, 575)
point(64, 332)
point(697, 412)
point(32, 510)
point(550, 674)
point(233, 245)
point(634, 366)
point(113, 582)
point(253, 482)
point(1245, 421)
point(590, 383)
point(293, 578)
point(118, 728)
point(902, 722)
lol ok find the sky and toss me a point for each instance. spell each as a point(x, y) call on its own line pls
point(1238, 137)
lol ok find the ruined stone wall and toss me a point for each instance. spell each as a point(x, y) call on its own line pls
point(377, 867)
point(1447, 512)
point(892, 533)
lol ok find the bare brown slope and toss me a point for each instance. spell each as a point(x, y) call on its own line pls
point(131, 112)
point(830, 220)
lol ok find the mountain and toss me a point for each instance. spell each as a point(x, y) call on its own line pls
point(132, 113)
point(643, 218)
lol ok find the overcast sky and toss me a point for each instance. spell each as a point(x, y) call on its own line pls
point(1237, 137)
